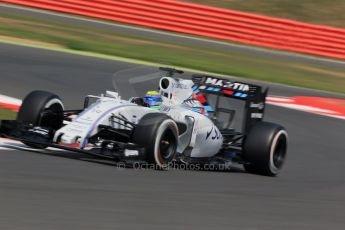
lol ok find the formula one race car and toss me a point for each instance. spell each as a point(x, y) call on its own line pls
point(183, 129)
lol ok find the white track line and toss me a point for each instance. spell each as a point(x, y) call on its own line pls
point(10, 100)
point(289, 103)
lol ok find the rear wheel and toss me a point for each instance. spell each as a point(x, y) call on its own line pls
point(265, 148)
point(158, 134)
point(41, 108)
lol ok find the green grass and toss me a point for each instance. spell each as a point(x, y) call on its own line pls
point(168, 53)
point(7, 114)
point(311, 11)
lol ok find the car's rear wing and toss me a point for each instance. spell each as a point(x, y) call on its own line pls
point(253, 95)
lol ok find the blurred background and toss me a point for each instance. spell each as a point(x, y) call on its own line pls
point(75, 47)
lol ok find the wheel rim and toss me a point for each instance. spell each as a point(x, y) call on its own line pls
point(167, 145)
point(52, 121)
point(280, 151)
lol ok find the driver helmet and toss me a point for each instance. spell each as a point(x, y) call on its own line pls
point(153, 98)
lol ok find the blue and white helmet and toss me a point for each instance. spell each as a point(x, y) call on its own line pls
point(153, 98)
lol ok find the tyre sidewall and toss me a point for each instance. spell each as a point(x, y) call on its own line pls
point(148, 134)
point(164, 126)
point(32, 107)
point(259, 148)
point(34, 104)
point(273, 168)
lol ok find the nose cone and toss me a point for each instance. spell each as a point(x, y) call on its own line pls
point(70, 135)
point(68, 139)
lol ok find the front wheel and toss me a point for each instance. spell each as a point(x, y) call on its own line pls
point(265, 148)
point(41, 108)
point(158, 133)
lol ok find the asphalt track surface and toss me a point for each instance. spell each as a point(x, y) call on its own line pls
point(59, 190)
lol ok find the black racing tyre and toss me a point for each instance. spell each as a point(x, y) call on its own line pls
point(158, 133)
point(265, 148)
point(32, 108)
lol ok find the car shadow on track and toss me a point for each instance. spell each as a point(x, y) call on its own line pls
point(93, 159)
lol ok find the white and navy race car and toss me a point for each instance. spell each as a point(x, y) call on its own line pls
point(183, 129)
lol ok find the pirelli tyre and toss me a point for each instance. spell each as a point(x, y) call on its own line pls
point(43, 109)
point(265, 148)
point(158, 133)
